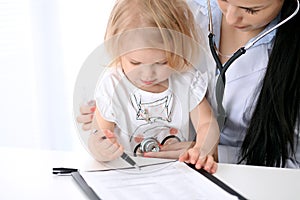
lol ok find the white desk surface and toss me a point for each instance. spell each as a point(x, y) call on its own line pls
point(27, 174)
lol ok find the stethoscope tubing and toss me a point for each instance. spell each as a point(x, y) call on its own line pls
point(260, 36)
point(221, 80)
point(242, 50)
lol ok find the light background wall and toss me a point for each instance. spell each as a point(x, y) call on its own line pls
point(43, 44)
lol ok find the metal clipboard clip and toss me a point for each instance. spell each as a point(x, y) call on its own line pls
point(63, 171)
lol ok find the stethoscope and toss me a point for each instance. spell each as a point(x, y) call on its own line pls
point(220, 85)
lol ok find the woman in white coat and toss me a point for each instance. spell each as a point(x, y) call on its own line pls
point(262, 88)
point(261, 97)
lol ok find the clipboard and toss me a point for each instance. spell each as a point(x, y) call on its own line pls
point(218, 182)
point(90, 192)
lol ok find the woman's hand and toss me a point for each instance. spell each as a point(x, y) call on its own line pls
point(87, 115)
point(170, 151)
point(104, 146)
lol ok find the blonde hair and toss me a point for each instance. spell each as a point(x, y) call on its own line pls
point(133, 20)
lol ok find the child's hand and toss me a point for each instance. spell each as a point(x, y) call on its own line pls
point(195, 157)
point(104, 146)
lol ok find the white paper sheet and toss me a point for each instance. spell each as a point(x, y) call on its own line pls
point(164, 181)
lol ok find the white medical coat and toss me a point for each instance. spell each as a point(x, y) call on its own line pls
point(243, 83)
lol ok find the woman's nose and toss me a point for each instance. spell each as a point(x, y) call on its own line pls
point(233, 15)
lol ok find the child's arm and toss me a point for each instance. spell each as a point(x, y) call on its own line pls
point(102, 142)
point(207, 138)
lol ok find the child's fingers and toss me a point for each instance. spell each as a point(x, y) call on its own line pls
point(104, 139)
point(117, 152)
point(110, 147)
point(209, 164)
point(109, 134)
point(194, 156)
point(184, 157)
point(214, 168)
point(200, 162)
point(111, 151)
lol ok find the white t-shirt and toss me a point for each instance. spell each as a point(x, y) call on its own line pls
point(140, 114)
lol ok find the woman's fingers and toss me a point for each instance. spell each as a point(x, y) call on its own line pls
point(87, 115)
point(86, 121)
point(86, 109)
point(90, 107)
point(86, 118)
point(86, 126)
